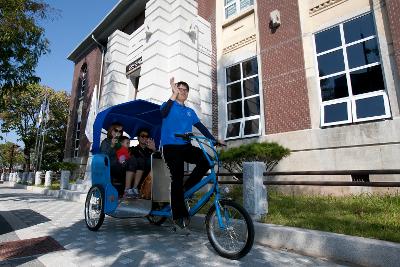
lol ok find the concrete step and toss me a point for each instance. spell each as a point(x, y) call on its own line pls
point(84, 188)
point(63, 193)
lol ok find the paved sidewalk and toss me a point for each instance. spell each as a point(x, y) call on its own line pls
point(128, 242)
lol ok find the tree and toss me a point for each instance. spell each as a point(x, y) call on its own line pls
point(22, 114)
point(10, 154)
point(22, 43)
point(56, 129)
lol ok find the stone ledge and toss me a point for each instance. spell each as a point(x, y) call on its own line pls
point(338, 247)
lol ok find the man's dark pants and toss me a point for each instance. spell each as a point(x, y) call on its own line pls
point(175, 156)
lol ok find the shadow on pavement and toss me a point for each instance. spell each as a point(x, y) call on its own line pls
point(27, 216)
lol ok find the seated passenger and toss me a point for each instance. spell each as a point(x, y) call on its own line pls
point(109, 144)
point(123, 152)
point(142, 155)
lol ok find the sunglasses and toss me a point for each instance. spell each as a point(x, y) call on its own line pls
point(144, 136)
point(118, 131)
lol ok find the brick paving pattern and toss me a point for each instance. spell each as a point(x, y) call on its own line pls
point(126, 242)
point(28, 247)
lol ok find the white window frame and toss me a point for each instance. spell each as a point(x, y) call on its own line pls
point(77, 138)
point(83, 81)
point(238, 9)
point(242, 100)
point(369, 95)
point(351, 98)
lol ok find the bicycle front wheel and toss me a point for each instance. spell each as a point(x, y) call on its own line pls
point(236, 237)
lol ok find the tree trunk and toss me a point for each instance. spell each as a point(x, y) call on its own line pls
point(27, 159)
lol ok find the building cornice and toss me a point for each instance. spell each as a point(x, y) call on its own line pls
point(119, 15)
point(239, 44)
point(322, 6)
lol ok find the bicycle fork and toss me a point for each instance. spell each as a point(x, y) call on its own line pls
point(222, 215)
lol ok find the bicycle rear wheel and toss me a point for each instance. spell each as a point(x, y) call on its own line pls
point(234, 240)
point(94, 208)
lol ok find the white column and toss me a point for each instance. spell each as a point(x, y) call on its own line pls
point(172, 49)
point(38, 180)
point(254, 191)
point(31, 177)
point(64, 180)
point(47, 178)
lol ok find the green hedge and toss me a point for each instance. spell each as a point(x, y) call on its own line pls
point(269, 152)
point(63, 166)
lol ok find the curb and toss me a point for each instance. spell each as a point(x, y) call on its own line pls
point(337, 247)
point(62, 193)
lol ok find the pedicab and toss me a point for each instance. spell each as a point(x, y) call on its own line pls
point(229, 227)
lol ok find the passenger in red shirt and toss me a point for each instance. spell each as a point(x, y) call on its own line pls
point(123, 152)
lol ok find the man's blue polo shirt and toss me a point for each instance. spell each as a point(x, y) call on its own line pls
point(180, 120)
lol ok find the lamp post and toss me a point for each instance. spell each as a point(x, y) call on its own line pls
point(12, 157)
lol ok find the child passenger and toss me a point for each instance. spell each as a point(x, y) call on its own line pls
point(123, 152)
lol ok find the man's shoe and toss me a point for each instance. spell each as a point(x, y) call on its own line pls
point(180, 227)
point(179, 223)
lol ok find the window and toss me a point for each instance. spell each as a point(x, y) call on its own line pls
point(233, 7)
point(82, 81)
point(77, 138)
point(350, 73)
point(243, 100)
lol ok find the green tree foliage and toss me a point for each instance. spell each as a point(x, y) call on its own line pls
point(269, 152)
point(22, 42)
point(10, 152)
point(54, 142)
point(21, 116)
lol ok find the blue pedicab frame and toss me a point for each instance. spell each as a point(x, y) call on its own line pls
point(229, 226)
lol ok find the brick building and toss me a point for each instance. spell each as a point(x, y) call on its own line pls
point(320, 77)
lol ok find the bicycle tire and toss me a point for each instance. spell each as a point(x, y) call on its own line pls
point(94, 206)
point(244, 221)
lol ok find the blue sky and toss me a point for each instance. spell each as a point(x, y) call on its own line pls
point(75, 20)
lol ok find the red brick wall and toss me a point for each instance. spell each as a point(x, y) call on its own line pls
point(393, 9)
point(93, 61)
point(206, 10)
point(286, 104)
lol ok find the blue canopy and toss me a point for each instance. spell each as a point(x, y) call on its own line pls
point(132, 116)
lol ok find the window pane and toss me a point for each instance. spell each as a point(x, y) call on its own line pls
point(251, 127)
point(370, 107)
point(328, 39)
point(233, 129)
point(228, 2)
point(245, 3)
point(330, 63)
point(359, 28)
point(250, 87)
point(233, 73)
point(234, 91)
point(235, 110)
point(363, 53)
point(250, 67)
point(230, 10)
point(334, 87)
point(252, 106)
point(367, 80)
point(335, 112)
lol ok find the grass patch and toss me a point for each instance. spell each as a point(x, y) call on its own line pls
point(371, 216)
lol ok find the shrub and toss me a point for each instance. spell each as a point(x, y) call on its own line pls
point(63, 166)
point(269, 152)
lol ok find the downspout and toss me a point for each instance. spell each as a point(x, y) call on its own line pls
point(103, 51)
